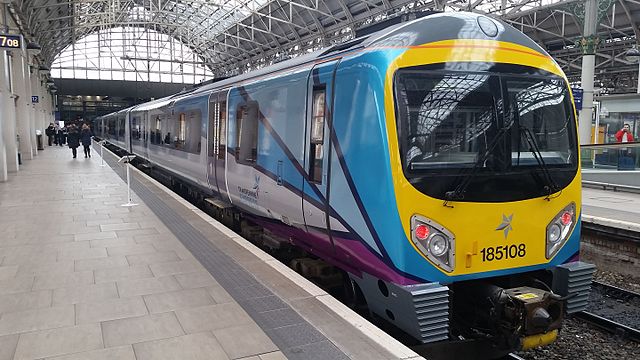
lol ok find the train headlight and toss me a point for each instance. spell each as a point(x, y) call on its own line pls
point(433, 241)
point(554, 233)
point(438, 245)
point(559, 229)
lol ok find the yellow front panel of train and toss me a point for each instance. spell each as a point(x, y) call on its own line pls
point(488, 236)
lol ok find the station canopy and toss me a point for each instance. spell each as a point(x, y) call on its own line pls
point(189, 41)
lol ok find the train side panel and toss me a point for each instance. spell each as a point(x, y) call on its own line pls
point(265, 142)
point(178, 138)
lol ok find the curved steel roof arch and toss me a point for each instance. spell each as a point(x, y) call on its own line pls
point(235, 36)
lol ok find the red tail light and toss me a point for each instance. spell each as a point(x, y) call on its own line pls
point(422, 232)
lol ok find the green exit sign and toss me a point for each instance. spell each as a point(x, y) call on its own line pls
point(10, 41)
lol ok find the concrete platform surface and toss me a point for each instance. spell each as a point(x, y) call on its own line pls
point(82, 277)
point(611, 208)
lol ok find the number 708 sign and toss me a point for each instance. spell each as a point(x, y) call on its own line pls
point(10, 41)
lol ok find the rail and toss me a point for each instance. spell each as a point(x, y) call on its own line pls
point(616, 292)
point(609, 325)
point(512, 356)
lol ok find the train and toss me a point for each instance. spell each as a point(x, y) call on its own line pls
point(435, 163)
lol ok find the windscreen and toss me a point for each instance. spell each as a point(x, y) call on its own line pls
point(447, 118)
point(505, 127)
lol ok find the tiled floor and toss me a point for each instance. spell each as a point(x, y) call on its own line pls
point(83, 278)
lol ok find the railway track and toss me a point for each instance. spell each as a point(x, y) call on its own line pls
point(615, 292)
point(512, 357)
point(606, 324)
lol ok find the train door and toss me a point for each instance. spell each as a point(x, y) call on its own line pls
point(317, 143)
point(217, 150)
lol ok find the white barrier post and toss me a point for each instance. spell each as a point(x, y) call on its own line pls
point(127, 159)
point(101, 153)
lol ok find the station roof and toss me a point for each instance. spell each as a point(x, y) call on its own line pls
point(234, 36)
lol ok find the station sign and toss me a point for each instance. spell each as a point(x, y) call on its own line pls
point(35, 99)
point(10, 41)
point(577, 97)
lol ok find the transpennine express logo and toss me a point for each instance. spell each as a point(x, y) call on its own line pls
point(250, 196)
point(505, 225)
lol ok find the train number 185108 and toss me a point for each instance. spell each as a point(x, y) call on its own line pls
point(503, 252)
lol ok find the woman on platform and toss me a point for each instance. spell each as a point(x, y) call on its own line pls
point(85, 138)
point(73, 139)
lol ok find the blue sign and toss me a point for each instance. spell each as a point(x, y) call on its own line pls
point(577, 97)
point(35, 99)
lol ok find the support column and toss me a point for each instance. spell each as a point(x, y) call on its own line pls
point(638, 73)
point(23, 112)
point(589, 12)
point(8, 116)
point(588, 43)
point(4, 93)
point(29, 88)
point(38, 117)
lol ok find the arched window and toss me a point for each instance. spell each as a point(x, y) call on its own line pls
point(132, 54)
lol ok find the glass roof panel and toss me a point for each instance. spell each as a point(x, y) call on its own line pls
point(130, 50)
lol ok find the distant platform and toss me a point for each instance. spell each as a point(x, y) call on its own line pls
point(611, 208)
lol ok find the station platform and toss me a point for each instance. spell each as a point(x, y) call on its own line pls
point(611, 208)
point(82, 277)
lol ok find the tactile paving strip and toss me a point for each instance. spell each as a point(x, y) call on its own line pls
point(295, 337)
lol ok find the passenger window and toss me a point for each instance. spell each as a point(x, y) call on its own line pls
point(182, 131)
point(318, 115)
point(213, 126)
point(222, 130)
point(247, 133)
point(156, 134)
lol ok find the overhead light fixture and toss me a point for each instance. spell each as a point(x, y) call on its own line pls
point(34, 48)
point(44, 70)
point(632, 55)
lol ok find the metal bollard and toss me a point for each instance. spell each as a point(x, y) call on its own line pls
point(102, 153)
point(126, 160)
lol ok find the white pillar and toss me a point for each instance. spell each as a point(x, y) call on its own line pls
point(586, 114)
point(30, 74)
point(4, 92)
point(638, 77)
point(23, 112)
point(8, 116)
point(588, 70)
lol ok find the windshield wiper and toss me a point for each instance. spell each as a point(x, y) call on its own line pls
point(458, 192)
point(550, 185)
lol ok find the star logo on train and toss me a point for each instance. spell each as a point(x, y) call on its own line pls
point(505, 225)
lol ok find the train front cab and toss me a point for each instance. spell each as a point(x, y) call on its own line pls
point(485, 164)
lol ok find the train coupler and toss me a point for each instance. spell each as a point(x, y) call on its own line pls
point(539, 310)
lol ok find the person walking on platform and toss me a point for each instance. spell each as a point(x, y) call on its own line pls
point(85, 138)
point(50, 132)
point(73, 139)
point(59, 136)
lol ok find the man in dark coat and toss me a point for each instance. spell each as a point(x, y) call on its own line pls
point(73, 139)
point(59, 136)
point(50, 132)
point(85, 138)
